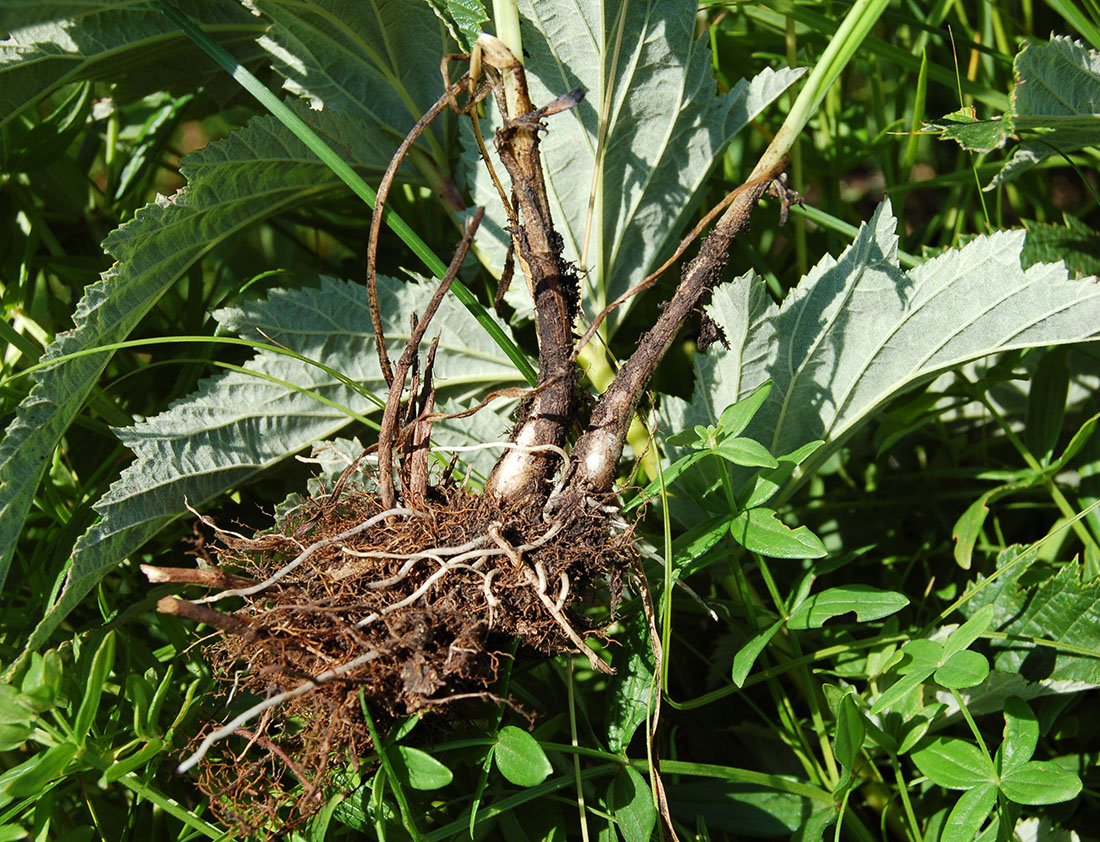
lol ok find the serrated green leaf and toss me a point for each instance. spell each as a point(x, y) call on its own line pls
point(1060, 608)
point(520, 758)
point(858, 331)
point(1075, 242)
point(761, 531)
point(228, 190)
point(969, 132)
point(868, 603)
point(1039, 782)
point(363, 61)
point(237, 424)
point(962, 669)
point(1021, 734)
point(632, 806)
point(418, 769)
point(1055, 92)
point(49, 45)
point(954, 764)
point(464, 19)
point(969, 814)
point(747, 654)
point(622, 170)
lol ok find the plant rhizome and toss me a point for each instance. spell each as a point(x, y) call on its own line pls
point(411, 596)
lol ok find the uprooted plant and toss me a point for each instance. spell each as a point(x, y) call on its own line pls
point(413, 594)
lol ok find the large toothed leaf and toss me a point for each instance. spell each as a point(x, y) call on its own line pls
point(237, 423)
point(1063, 608)
point(858, 331)
point(361, 59)
point(623, 166)
point(1056, 95)
point(51, 44)
point(256, 172)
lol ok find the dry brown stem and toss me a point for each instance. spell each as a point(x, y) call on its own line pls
point(596, 454)
point(388, 429)
point(441, 104)
point(228, 623)
point(553, 283)
point(208, 577)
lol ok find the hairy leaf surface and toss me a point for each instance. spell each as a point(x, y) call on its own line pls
point(363, 60)
point(858, 331)
point(53, 44)
point(238, 423)
point(254, 173)
point(623, 167)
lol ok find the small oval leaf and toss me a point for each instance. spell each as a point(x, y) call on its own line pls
point(969, 814)
point(418, 769)
point(1021, 733)
point(963, 669)
point(520, 758)
point(954, 764)
point(746, 453)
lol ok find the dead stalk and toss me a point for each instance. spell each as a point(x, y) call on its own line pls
point(228, 623)
point(208, 577)
point(596, 454)
point(519, 474)
point(388, 429)
point(447, 99)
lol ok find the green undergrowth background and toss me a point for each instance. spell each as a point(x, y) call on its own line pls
point(922, 669)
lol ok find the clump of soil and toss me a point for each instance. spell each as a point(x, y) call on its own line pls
point(416, 608)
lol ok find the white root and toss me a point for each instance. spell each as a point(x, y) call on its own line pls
point(307, 552)
point(537, 580)
point(473, 550)
point(273, 701)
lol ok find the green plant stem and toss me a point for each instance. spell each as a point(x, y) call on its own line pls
point(353, 180)
point(387, 766)
point(965, 711)
point(576, 758)
point(913, 828)
point(1045, 480)
point(849, 35)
